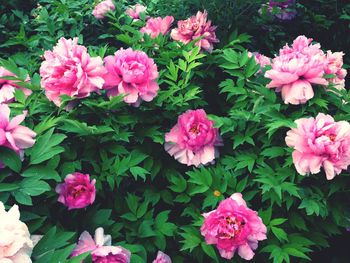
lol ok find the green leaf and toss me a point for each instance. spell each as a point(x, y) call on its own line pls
point(34, 187)
point(11, 159)
point(41, 172)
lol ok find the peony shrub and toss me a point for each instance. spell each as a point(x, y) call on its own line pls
point(169, 138)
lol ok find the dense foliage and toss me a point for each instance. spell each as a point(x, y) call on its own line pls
point(146, 199)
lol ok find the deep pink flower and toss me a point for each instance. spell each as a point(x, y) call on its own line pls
point(334, 66)
point(8, 87)
point(135, 11)
point(320, 142)
point(13, 135)
point(194, 28)
point(233, 227)
point(193, 139)
point(286, 9)
point(103, 8)
point(133, 74)
point(162, 258)
point(158, 25)
point(69, 70)
point(77, 191)
point(296, 69)
point(100, 248)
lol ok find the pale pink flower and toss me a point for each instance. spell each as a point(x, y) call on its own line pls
point(13, 135)
point(334, 67)
point(103, 8)
point(135, 11)
point(193, 139)
point(101, 249)
point(15, 243)
point(162, 258)
point(77, 191)
point(194, 28)
point(8, 87)
point(295, 69)
point(233, 227)
point(320, 142)
point(158, 25)
point(69, 70)
point(133, 74)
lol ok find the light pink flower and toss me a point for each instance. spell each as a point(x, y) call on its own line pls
point(69, 70)
point(100, 248)
point(103, 8)
point(158, 25)
point(194, 28)
point(320, 142)
point(8, 87)
point(260, 59)
point(334, 66)
point(15, 243)
point(133, 74)
point(13, 135)
point(193, 139)
point(295, 69)
point(162, 258)
point(233, 227)
point(77, 191)
point(135, 11)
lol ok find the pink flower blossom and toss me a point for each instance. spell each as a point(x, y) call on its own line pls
point(162, 258)
point(69, 70)
point(13, 135)
point(320, 142)
point(334, 66)
point(15, 243)
point(158, 25)
point(194, 28)
point(233, 227)
point(260, 59)
point(100, 248)
point(77, 191)
point(8, 87)
point(133, 74)
point(296, 69)
point(193, 139)
point(135, 11)
point(103, 8)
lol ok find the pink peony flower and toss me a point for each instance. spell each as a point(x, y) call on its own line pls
point(296, 69)
point(103, 8)
point(320, 142)
point(233, 227)
point(13, 135)
point(8, 87)
point(194, 28)
point(77, 191)
point(260, 59)
point(135, 11)
point(69, 70)
point(100, 248)
point(133, 74)
point(158, 25)
point(15, 243)
point(162, 258)
point(334, 66)
point(193, 139)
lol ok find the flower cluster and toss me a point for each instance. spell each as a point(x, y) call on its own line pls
point(283, 10)
point(298, 67)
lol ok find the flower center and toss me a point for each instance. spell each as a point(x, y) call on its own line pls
point(77, 192)
point(195, 129)
point(230, 227)
point(332, 137)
